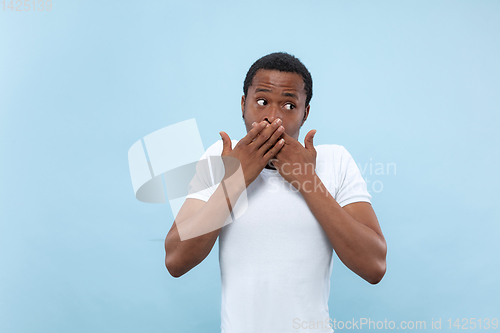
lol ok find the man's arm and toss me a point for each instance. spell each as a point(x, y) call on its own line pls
point(353, 231)
point(176, 260)
point(197, 217)
point(198, 222)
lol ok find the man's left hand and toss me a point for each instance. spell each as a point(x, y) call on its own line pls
point(297, 163)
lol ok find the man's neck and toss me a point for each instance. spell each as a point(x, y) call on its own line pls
point(268, 166)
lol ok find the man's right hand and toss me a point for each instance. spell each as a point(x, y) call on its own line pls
point(256, 148)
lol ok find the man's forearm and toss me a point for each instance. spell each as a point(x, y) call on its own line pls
point(359, 247)
point(190, 242)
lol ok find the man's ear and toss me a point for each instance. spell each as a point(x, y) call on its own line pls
point(243, 106)
point(306, 114)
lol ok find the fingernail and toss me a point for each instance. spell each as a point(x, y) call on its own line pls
point(253, 124)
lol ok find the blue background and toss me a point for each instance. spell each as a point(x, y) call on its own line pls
point(413, 83)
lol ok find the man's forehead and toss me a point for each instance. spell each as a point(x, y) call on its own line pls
point(276, 79)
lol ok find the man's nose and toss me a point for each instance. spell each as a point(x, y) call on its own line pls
point(272, 115)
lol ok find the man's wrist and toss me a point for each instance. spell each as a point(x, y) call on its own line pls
point(234, 185)
point(312, 185)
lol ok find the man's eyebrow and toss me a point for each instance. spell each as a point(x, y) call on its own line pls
point(262, 90)
point(288, 94)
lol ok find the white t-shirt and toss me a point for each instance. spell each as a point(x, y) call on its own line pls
point(275, 259)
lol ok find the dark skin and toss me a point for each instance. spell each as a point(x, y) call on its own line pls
point(287, 103)
point(353, 230)
point(190, 238)
point(274, 111)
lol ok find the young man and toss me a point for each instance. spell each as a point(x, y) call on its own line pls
point(303, 203)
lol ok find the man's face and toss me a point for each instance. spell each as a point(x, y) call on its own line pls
point(274, 94)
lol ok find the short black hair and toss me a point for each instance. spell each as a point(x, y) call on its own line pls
point(282, 62)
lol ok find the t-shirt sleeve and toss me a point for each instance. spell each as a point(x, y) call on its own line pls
point(203, 185)
point(352, 186)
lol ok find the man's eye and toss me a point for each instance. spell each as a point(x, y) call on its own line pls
point(261, 102)
point(289, 106)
